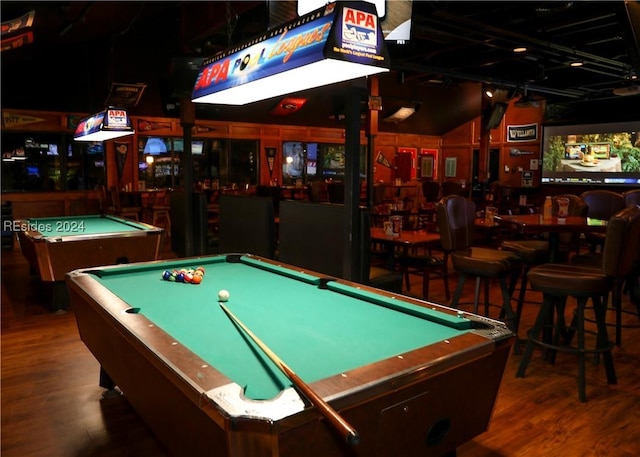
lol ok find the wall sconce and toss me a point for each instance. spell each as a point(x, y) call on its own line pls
point(105, 125)
point(338, 42)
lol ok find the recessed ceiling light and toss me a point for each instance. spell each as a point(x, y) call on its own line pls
point(520, 49)
point(576, 64)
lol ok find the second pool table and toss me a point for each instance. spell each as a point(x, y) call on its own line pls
point(413, 378)
point(54, 246)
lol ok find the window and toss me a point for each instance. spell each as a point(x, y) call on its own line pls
point(35, 162)
point(161, 161)
point(316, 161)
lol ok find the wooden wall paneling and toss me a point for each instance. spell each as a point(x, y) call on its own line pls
point(462, 134)
point(463, 154)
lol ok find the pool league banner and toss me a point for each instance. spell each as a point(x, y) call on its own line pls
point(342, 31)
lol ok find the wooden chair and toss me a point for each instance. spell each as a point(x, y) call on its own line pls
point(127, 212)
point(106, 203)
point(159, 206)
point(557, 282)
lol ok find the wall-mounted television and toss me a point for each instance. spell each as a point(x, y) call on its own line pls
point(606, 154)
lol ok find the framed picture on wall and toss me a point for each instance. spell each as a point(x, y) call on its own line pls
point(426, 166)
point(450, 164)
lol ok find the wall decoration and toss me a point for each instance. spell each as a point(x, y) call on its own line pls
point(122, 148)
point(450, 164)
point(271, 158)
point(513, 152)
point(426, 166)
point(382, 160)
point(528, 132)
point(429, 168)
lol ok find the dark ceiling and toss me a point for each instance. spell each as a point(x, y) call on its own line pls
point(80, 48)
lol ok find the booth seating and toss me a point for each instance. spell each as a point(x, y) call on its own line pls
point(312, 236)
point(456, 222)
point(557, 282)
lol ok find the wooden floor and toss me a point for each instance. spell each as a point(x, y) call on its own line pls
point(52, 405)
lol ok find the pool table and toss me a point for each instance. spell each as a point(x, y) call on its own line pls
point(54, 246)
point(413, 378)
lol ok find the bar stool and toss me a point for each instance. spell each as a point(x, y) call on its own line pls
point(602, 204)
point(594, 259)
point(558, 282)
point(535, 252)
point(456, 222)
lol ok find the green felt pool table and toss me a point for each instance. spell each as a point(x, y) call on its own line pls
point(413, 378)
point(55, 245)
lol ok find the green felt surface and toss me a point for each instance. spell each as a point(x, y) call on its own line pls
point(317, 332)
point(81, 225)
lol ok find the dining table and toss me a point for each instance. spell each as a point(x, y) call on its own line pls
point(404, 240)
point(536, 224)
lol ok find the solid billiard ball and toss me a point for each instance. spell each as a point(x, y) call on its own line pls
point(223, 295)
point(197, 279)
point(166, 275)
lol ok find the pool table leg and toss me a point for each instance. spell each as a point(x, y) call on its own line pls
point(107, 383)
point(60, 300)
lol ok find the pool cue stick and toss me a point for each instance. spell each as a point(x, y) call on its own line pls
point(349, 433)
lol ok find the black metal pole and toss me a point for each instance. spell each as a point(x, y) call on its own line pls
point(187, 121)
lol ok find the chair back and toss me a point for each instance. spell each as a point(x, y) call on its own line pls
point(452, 188)
point(456, 218)
point(622, 243)
point(631, 197)
point(116, 202)
point(577, 206)
point(602, 203)
point(430, 191)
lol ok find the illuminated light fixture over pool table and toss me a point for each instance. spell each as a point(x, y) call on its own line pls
point(397, 369)
point(106, 125)
point(339, 42)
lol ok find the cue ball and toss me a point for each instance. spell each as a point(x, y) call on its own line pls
point(223, 295)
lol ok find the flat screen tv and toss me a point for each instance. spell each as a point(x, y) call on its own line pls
point(605, 154)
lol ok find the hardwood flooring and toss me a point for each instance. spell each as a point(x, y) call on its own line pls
point(52, 405)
